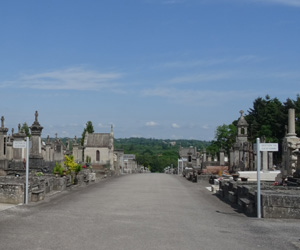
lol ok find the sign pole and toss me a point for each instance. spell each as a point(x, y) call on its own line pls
point(27, 170)
point(258, 177)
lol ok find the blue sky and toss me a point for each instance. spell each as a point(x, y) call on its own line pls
point(171, 69)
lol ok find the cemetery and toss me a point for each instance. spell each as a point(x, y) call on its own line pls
point(235, 180)
point(54, 166)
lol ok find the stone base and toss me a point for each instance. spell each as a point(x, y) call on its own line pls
point(37, 195)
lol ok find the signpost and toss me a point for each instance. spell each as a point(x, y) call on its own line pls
point(258, 148)
point(24, 144)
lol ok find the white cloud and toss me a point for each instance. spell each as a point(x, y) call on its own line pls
point(151, 124)
point(205, 126)
point(211, 62)
point(67, 79)
point(100, 125)
point(203, 98)
point(174, 125)
point(202, 77)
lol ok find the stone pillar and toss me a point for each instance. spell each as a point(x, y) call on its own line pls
point(75, 151)
point(9, 144)
point(246, 161)
point(222, 156)
point(231, 158)
point(270, 160)
point(241, 159)
point(209, 158)
point(36, 131)
point(236, 155)
point(19, 153)
point(264, 160)
point(48, 149)
point(291, 123)
point(3, 133)
point(204, 156)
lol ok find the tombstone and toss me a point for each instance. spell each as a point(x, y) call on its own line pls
point(75, 151)
point(222, 157)
point(36, 160)
point(19, 154)
point(296, 152)
point(289, 160)
point(36, 131)
point(209, 158)
point(49, 153)
point(231, 158)
point(3, 134)
point(270, 160)
point(204, 155)
point(264, 160)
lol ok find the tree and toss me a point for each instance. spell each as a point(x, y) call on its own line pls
point(89, 128)
point(266, 119)
point(25, 128)
point(224, 138)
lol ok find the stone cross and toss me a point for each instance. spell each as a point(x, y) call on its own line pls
point(19, 127)
point(75, 139)
point(2, 122)
point(242, 112)
point(36, 116)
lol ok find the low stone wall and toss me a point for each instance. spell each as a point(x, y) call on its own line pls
point(281, 204)
point(276, 201)
point(12, 189)
point(11, 193)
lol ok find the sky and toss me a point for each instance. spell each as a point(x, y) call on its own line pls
point(165, 69)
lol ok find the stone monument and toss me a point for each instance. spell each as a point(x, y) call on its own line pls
point(35, 156)
point(290, 147)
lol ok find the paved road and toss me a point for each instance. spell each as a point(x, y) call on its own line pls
point(141, 212)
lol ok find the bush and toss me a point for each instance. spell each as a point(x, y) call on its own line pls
point(58, 169)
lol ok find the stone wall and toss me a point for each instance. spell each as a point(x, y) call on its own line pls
point(276, 201)
point(12, 193)
point(281, 204)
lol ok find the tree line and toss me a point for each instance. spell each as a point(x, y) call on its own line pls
point(156, 154)
point(268, 119)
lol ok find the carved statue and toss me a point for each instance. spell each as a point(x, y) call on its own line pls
point(36, 116)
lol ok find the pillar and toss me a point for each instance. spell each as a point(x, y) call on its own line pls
point(291, 123)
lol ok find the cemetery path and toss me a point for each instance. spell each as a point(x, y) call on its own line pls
point(141, 212)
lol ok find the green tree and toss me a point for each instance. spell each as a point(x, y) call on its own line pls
point(25, 128)
point(266, 119)
point(225, 136)
point(88, 128)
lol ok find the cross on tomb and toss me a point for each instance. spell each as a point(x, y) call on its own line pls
point(2, 122)
point(36, 116)
point(242, 112)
